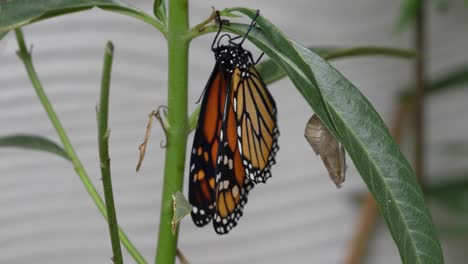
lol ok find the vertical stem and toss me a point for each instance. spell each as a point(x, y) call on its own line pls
point(419, 136)
point(25, 56)
point(178, 126)
point(103, 139)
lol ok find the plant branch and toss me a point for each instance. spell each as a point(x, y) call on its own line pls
point(139, 15)
point(176, 134)
point(103, 139)
point(25, 56)
point(419, 117)
point(199, 27)
point(369, 51)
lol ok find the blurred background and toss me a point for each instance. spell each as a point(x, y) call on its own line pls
point(300, 216)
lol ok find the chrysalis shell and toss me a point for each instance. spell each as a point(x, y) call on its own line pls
point(330, 150)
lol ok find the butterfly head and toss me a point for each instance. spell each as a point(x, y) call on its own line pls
point(231, 57)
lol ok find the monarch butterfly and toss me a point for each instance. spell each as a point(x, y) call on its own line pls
point(235, 140)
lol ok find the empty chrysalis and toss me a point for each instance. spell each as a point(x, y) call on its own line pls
point(330, 150)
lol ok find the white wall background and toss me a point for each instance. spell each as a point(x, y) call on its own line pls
point(46, 215)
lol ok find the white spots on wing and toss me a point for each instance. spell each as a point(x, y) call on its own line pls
point(235, 191)
point(223, 185)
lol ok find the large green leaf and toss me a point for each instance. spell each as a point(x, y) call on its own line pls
point(34, 143)
point(17, 13)
point(378, 159)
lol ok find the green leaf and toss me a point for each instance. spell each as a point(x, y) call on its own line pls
point(181, 208)
point(272, 72)
point(452, 194)
point(17, 13)
point(159, 9)
point(34, 143)
point(408, 12)
point(410, 8)
point(378, 159)
point(455, 78)
point(226, 13)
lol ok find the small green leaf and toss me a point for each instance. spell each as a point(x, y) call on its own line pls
point(408, 12)
point(226, 13)
point(17, 13)
point(34, 143)
point(410, 8)
point(383, 168)
point(181, 209)
point(455, 78)
point(453, 194)
point(159, 9)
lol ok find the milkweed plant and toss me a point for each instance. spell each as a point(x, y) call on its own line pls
point(346, 115)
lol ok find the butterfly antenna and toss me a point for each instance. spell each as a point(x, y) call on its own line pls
point(252, 25)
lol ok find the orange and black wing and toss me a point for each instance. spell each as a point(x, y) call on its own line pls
point(205, 149)
point(232, 185)
point(257, 129)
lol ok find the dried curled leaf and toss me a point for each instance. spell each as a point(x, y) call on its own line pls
point(143, 145)
point(329, 149)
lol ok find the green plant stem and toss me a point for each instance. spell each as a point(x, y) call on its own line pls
point(140, 15)
point(25, 56)
point(368, 51)
point(419, 117)
point(103, 139)
point(178, 126)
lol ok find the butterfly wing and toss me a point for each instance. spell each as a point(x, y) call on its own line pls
point(205, 149)
point(257, 128)
point(232, 185)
